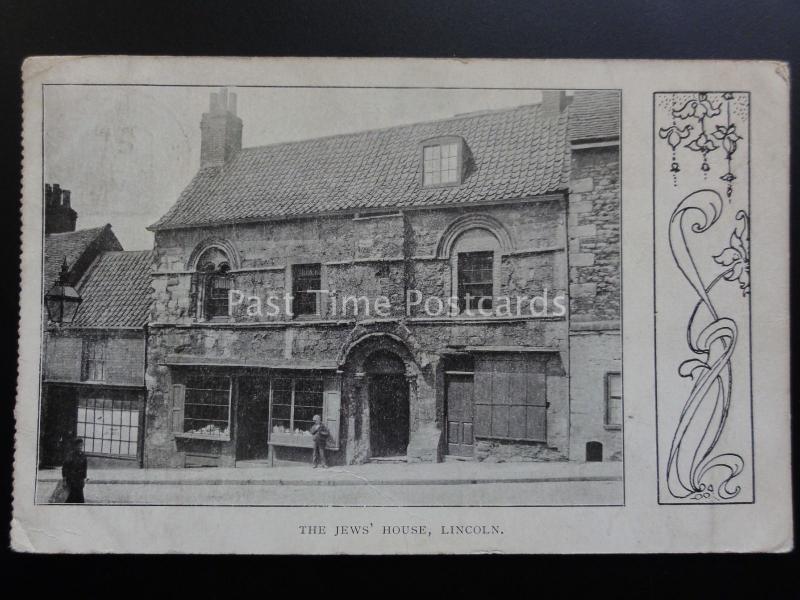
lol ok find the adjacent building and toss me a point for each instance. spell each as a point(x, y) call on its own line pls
point(441, 289)
point(93, 367)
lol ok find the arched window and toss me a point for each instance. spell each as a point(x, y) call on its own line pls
point(475, 266)
point(213, 283)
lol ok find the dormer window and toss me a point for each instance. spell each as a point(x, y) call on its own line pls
point(442, 161)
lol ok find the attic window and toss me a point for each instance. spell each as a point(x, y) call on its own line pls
point(442, 161)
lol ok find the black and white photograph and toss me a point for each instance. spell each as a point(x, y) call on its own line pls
point(331, 296)
point(403, 306)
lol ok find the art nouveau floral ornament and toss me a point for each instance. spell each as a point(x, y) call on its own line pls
point(737, 256)
point(698, 115)
point(694, 470)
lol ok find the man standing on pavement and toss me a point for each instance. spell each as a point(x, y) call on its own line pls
point(74, 472)
point(320, 436)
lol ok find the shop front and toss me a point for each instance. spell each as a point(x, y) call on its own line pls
point(224, 416)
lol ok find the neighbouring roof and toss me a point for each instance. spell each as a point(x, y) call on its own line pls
point(516, 153)
point(73, 246)
point(116, 290)
point(595, 116)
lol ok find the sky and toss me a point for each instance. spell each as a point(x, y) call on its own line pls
point(126, 152)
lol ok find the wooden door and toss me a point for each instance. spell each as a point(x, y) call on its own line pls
point(460, 440)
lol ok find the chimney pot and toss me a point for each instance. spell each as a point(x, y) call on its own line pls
point(221, 130)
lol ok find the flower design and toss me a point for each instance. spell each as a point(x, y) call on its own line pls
point(702, 143)
point(699, 109)
point(674, 134)
point(736, 257)
point(728, 137)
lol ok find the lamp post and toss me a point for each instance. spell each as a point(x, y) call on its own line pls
point(62, 300)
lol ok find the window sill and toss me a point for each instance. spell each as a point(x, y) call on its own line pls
point(127, 457)
point(308, 317)
point(284, 440)
point(204, 436)
point(434, 186)
point(225, 319)
point(612, 427)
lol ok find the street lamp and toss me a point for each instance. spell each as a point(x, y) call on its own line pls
point(62, 300)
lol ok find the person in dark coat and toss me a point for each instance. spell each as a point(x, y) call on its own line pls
point(320, 436)
point(74, 472)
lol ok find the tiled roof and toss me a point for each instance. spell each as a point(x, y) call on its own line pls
point(594, 115)
point(516, 153)
point(116, 290)
point(71, 245)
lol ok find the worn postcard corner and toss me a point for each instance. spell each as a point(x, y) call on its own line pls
point(418, 306)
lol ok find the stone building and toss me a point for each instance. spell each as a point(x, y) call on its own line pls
point(470, 303)
point(93, 366)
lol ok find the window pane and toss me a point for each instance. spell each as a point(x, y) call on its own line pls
point(440, 164)
point(475, 280)
point(305, 279)
point(206, 405)
point(614, 384)
point(615, 410)
point(102, 424)
point(94, 359)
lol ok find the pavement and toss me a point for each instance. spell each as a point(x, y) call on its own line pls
point(448, 483)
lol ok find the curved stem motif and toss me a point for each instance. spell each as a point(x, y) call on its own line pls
point(693, 468)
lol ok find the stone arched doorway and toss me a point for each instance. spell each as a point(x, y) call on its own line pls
point(380, 396)
point(389, 407)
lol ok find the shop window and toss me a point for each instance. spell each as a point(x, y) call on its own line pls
point(202, 407)
point(109, 426)
point(613, 400)
point(510, 398)
point(94, 359)
point(295, 401)
point(306, 282)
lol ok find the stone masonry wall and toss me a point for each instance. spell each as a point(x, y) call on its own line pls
point(592, 356)
point(384, 255)
point(594, 235)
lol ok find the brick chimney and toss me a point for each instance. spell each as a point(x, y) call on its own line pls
point(59, 216)
point(554, 102)
point(221, 130)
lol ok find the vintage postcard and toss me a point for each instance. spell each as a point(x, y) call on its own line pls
point(381, 306)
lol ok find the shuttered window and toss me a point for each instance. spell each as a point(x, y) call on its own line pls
point(510, 398)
